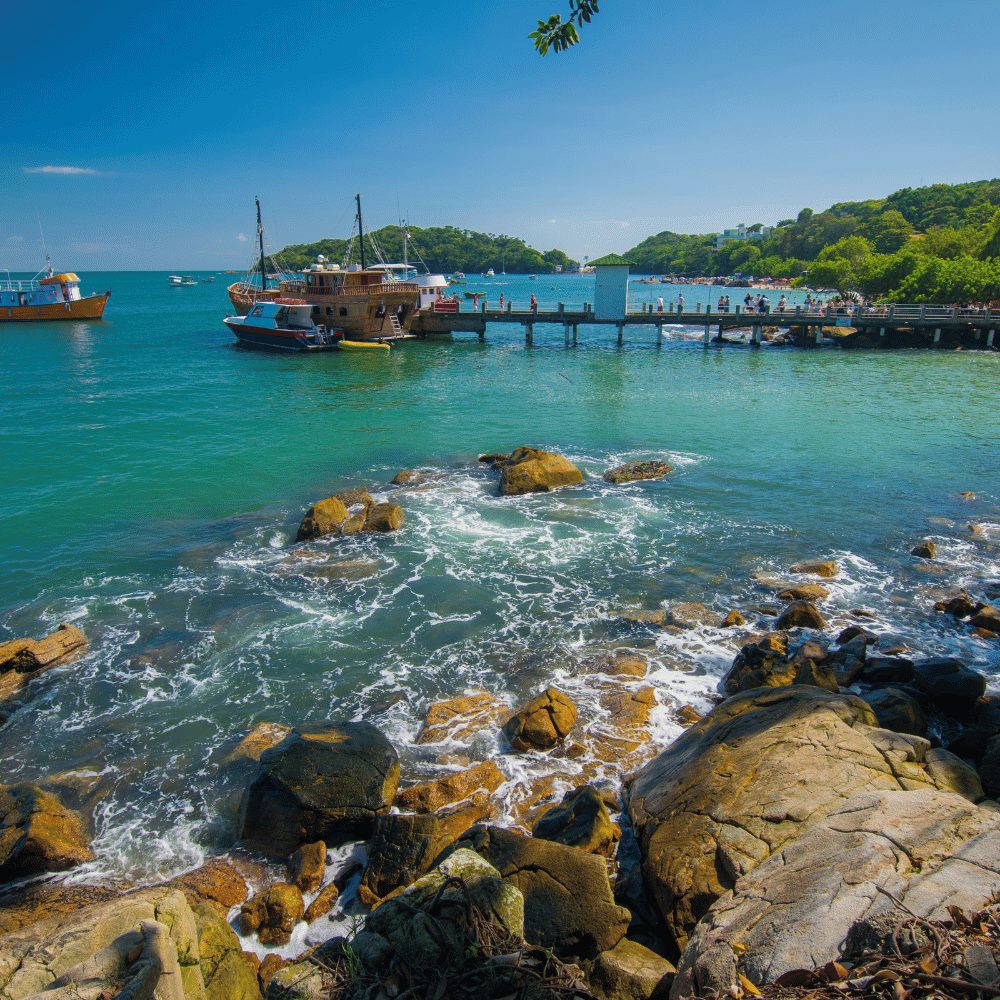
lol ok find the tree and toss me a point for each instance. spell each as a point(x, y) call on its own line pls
point(559, 35)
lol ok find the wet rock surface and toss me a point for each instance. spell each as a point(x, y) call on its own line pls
point(531, 470)
point(38, 833)
point(632, 472)
point(543, 723)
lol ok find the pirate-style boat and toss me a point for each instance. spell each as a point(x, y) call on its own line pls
point(365, 303)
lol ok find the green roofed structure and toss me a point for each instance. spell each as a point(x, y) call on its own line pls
point(612, 260)
point(611, 292)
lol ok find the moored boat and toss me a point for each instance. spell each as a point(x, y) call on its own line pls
point(56, 296)
point(282, 324)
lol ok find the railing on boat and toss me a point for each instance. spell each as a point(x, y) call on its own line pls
point(300, 287)
point(10, 285)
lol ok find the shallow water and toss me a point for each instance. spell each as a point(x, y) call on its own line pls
point(154, 475)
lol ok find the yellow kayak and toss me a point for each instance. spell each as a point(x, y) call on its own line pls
point(361, 345)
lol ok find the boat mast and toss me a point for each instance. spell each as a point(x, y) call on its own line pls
point(361, 232)
point(260, 239)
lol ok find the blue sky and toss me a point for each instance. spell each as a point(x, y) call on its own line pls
point(679, 115)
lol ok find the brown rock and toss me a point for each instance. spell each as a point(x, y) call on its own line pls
point(269, 965)
point(733, 619)
point(262, 737)
point(531, 470)
point(543, 723)
point(987, 617)
point(627, 728)
point(687, 715)
point(273, 914)
point(975, 530)
point(816, 674)
point(407, 477)
point(804, 592)
point(30, 903)
point(960, 605)
point(430, 796)
point(624, 663)
point(825, 568)
point(690, 614)
point(924, 550)
point(630, 971)
point(216, 882)
point(580, 820)
point(493, 458)
point(384, 517)
point(325, 517)
point(38, 834)
point(641, 616)
point(403, 847)
point(21, 660)
point(801, 614)
point(632, 472)
point(462, 717)
point(307, 865)
point(324, 902)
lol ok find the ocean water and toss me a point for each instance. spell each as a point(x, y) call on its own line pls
point(153, 476)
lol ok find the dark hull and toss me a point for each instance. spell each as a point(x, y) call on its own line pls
point(274, 340)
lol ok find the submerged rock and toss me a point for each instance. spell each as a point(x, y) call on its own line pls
point(327, 784)
point(531, 470)
point(632, 472)
point(924, 550)
point(21, 660)
point(38, 833)
point(822, 567)
point(462, 717)
point(543, 723)
point(408, 477)
point(349, 513)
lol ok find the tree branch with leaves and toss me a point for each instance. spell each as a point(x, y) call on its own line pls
point(559, 35)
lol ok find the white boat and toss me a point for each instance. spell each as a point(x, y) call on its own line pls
point(490, 273)
point(282, 324)
point(177, 280)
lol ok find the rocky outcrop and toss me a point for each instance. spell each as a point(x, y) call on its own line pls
point(216, 883)
point(262, 737)
point(306, 866)
point(632, 472)
point(822, 567)
point(408, 477)
point(924, 550)
point(928, 849)
point(543, 723)
point(325, 901)
point(273, 913)
point(801, 614)
point(38, 833)
point(960, 605)
point(804, 592)
point(462, 717)
point(752, 776)
point(531, 470)
point(580, 820)
point(143, 944)
point(349, 513)
point(897, 710)
point(429, 796)
point(326, 784)
point(950, 684)
point(630, 971)
point(21, 660)
point(568, 904)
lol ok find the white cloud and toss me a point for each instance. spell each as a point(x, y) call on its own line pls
point(15, 239)
point(552, 221)
point(242, 237)
point(59, 170)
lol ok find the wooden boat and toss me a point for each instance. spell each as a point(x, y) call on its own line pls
point(366, 303)
point(56, 296)
point(283, 325)
point(361, 345)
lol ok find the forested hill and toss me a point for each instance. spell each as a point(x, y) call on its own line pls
point(444, 249)
point(937, 243)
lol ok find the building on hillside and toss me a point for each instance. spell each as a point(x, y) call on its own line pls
point(742, 235)
point(611, 294)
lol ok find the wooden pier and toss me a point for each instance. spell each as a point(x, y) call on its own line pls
point(883, 326)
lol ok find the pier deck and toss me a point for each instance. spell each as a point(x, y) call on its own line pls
point(891, 326)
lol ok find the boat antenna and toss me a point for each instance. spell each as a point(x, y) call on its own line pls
point(45, 249)
point(260, 240)
point(361, 232)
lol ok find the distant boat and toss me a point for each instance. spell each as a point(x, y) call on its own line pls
point(177, 280)
point(56, 296)
point(532, 277)
point(207, 281)
point(490, 273)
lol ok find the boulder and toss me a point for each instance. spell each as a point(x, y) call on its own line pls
point(143, 944)
point(580, 820)
point(269, 966)
point(407, 477)
point(21, 660)
point(804, 592)
point(632, 472)
point(817, 674)
point(732, 619)
point(951, 685)
point(429, 796)
point(924, 550)
point(325, 901)
point(543, 723)
point(216, 883)
point(989, 767)
point(530, 470)
point(273, 914)
point(462, 717)
point(228, 972)
point(801, 614)
point(630, 971)
point(759, 664)
point(307, 865)
point(568, 905)
point(691, 614)
point(928, 849)
point(826, 568)
point(887, 670)
point(349, 513)
point(325, 517)
point(326, 784)
point(960, 605)
point(402, 848)
point(897, 710)
point(757, 772)
point(38, 833)
point(986, 618)
point(856, 632)
point(620, 663)
point(384, 517)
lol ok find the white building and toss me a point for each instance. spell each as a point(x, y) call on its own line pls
point(742, 235)
point(611, 295)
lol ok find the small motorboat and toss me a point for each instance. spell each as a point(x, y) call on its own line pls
point(281, 324)
point(207, 281)
point(490, 273)
point(179, 280)
point(361, 345)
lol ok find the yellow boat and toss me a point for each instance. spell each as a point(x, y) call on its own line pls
point(361, 345)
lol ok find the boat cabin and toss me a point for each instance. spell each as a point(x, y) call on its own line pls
point(281, 314)
point(56, 289)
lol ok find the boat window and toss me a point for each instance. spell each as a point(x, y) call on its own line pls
point(343, 311)
point(257, 311)
point(329, 310)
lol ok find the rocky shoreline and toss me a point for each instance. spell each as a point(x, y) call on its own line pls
point(839, 783)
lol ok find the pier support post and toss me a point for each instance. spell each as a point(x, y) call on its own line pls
point(819, 334)
point(659, 334)
point(481, 333)
point(937, 335)
point(566, 333)
point(621, 334)
point(756, 335)
point(707, 338)
point(989, 338)
point(881, 331)
point(529, 334)
point(574, 334)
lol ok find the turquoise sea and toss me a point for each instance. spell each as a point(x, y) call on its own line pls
point(153, 476)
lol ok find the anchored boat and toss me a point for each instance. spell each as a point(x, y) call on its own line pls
point(56, 296)
point(282, 324)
